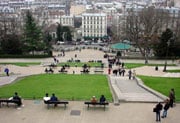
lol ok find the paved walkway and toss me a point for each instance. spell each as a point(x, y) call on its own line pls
point(36, 112)
point(129, 90)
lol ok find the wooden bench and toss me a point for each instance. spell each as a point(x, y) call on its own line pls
point(64, 71)
point(56, 103)
point(49, 71)
point(98, 71)
point(8, 101)
point(85, 72)
point(97, 103)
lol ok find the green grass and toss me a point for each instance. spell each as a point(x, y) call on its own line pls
point(80, 64)
point(163, 84)
point(23, 64)
point(135, 65)
point(70, 87)
point(174, 71)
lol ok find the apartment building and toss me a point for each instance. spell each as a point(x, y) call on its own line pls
point(67, 20)
point(94, 25)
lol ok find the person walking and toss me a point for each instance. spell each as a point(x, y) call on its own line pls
point(158, 109)
point(166, 107)
point(123, 71)
point(134, 74)
point(6, 70)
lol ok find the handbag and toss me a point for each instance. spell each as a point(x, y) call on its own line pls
point(155, 109)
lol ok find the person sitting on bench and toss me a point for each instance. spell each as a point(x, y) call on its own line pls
point(93, 99)
point(63, 69)
point(54, 98)
point(17, 98)
point(102, 99)
point(46, 98)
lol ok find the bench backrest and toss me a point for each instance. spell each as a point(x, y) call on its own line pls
point(97, 103)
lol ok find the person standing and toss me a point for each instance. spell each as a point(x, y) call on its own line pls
point(166, 107)
point(109, 71)
point(134, 74)
point(171, 97)
point(130, 74)
point(123, 71)
point(158, 109)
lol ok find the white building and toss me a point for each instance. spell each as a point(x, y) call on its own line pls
point(94, 25)
point(67, 20)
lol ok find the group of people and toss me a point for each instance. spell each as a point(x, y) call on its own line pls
point(52, 98)
point(48, 98)
point(49, 70)
point(102, 99)
point(167, 104)
point(131, 74)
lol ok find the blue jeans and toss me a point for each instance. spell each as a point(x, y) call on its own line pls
point(158, 117)
point(164, 113)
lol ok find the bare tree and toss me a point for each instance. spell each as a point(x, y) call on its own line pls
point(143, 27)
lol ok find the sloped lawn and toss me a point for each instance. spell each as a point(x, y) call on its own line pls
point(163, 85)
point(65, 86)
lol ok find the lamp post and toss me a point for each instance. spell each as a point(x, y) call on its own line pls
point(167, 49)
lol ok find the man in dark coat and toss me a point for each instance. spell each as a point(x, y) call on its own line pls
point(158, 108)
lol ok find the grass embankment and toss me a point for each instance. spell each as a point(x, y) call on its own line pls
point(80, 64)
point(174, 71)
point(91, 64)
point(23, 64)
point(70, 87)
point(135, 65)
point(71, 64)
point(163, 85)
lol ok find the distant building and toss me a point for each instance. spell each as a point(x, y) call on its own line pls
point(67, 20)
point(77, 9)
point(94, 25)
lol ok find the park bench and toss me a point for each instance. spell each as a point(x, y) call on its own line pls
point(98, 71)
point(96, 103)
point(87, 71)
point(62, 71)
point(56, 103)
point(8, 101)
point(49, 71)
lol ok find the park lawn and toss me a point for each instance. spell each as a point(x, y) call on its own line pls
point(65, 86)
point(135, 65)
point(163, 84)
point(23, 64)
point(174, 71)
point(80, 64)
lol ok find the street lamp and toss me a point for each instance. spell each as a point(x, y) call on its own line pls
point(167, 49)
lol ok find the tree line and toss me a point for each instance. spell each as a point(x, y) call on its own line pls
point(151, 29)
point(27, 37)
